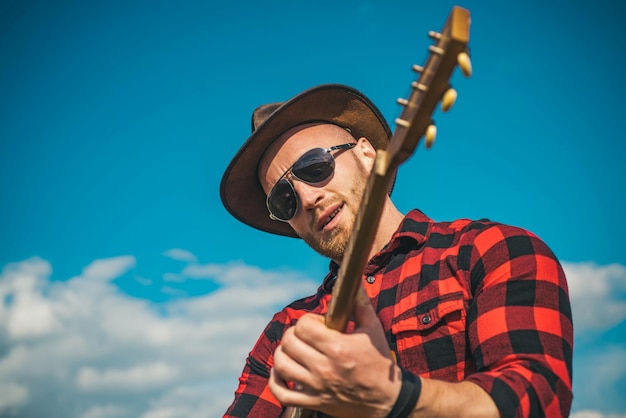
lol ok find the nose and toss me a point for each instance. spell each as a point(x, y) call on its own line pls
point(308, 195)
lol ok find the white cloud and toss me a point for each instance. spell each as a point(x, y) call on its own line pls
point(12, 395)
point(598, 294)
point(140, 377)
point(96, 352)
point(595, 414)
point(108, 269)
point(173, 277)
point(203, 271)
point(189, 402)
point(144, 281)
point(181, 255)
point(105, 411)
point(599, 379)
point(27, 314)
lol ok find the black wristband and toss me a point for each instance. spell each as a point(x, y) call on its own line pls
point(409, 394)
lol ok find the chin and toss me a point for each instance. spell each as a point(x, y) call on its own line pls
point(332, 247)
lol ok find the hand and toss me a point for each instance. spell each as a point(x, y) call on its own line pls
point(343, 375)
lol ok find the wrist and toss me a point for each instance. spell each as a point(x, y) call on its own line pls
point(408, 396)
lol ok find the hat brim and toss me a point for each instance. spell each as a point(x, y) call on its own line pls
point(240, 189)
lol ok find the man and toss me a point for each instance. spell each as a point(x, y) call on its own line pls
point(463, 318)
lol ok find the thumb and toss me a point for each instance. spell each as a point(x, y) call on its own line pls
point(368, 323)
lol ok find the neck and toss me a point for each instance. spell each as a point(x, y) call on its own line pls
point(388, 224)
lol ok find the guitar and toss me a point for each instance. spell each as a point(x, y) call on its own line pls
point(415, 122)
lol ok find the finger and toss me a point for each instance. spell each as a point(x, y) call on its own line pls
point(364, 314)
point(278, 387)
point(368, 323)
point(292, 370)
point(296, 343)
point(312, 330)
point(286, 395)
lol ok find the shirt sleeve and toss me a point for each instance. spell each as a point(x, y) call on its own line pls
point(520, 324)
point(253, 397)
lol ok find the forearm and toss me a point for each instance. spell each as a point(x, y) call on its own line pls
point(446, 399)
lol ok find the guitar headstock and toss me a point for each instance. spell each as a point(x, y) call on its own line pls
point(432, 86)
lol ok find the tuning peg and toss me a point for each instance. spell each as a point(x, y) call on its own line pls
point(419, 86)
point(434, 35)
point(465, 63)
point(436, 50)
point(431, 133)
point(448, 99)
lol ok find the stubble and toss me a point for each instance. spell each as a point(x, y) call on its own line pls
point(334, 245)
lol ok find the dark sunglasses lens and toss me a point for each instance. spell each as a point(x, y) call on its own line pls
point(314, 166)
point(282, 201)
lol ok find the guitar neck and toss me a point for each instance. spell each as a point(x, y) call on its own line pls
point(431, 87)
point(416, 117)
point(359, 247)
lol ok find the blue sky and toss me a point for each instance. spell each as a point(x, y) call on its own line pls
point(126, 290)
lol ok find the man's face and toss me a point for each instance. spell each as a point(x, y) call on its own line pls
point(327, 210)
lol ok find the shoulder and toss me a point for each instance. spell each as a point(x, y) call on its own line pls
point(498, 253)
point(483, 237)
point(288, 315)
point(496, 241)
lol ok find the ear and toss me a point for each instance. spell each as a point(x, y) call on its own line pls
point(366, 151)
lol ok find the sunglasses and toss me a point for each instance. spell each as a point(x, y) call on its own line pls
point(314, 166)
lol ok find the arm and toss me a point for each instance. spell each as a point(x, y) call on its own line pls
point(519, 332)
point(354, 374)
point(252, 397)
point(520, 324)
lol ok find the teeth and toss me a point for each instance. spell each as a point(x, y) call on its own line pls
point(331, 216)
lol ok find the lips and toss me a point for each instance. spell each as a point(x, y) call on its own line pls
point(328, 215)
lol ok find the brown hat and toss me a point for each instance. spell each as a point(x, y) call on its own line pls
point(241, 190)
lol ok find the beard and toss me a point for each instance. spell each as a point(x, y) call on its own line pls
point(334, 244)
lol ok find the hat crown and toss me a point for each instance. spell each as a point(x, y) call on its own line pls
point(240, 189)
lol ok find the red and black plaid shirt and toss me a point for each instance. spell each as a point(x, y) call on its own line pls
point(464, 300)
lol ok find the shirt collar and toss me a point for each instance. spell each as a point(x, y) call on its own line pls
point(415, 227)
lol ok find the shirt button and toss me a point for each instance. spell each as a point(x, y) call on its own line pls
point(371, 279)
point(426, 319)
